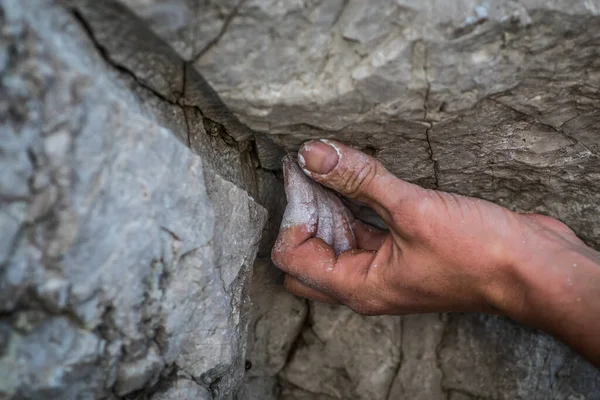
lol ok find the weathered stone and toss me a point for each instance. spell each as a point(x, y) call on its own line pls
point(189, 26)
point(277, 321)
point(344, 355)
point(183, 389)
point(419, 376)
point(528, 359)
point(346, 62)
point(125, 257)
point(494, 99)
point(113, 270)
point(134, 375)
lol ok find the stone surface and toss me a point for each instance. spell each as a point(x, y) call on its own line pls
point(277, 322)
point(183, 389)
point(125, 258)
point(528, 359)
point(344, 355)
point(494, 99)
point(412, 81)
point(419, 376)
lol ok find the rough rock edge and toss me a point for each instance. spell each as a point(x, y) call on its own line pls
point(106, 319)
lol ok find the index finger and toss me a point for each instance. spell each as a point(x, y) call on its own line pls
point(314, 262)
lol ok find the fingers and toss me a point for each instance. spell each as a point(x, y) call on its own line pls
point(367, 237)
point(356, 175)
point(298, 288)
point(315, 230)
point(314, 263)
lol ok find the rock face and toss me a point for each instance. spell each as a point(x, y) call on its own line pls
point(140, 144)
point(125, 256)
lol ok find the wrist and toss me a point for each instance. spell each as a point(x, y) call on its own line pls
point(546, 276)
point(530, 271)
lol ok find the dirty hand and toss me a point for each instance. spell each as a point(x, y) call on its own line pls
point(443, 252)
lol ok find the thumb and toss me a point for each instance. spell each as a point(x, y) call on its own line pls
point(356, 175)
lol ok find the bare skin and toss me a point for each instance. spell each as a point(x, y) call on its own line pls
point(443, 252)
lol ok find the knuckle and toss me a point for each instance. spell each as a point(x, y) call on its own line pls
point(278, 256)
point(366, 308)
point(354, 181)
point(364, 305)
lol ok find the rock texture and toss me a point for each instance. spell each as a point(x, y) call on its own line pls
point(140, 143)
point(490, 98)
point(125, 257)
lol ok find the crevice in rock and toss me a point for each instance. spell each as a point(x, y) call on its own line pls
point(214, 127)
point(187, 127)
point(429, 124)
point(438, 357)
point(221, 33)
point(107, 58)
point(433, 160)
point(399, 366)
point(340, 13)
point(298, 339)
point(302, 389)
point(185, 117)
point(427, 84)
point(171, 233)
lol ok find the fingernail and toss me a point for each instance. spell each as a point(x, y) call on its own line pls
point(318, 157)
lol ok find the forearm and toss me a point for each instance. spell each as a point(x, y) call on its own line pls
point(560, 294)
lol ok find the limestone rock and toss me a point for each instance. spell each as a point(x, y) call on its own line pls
point(419, 376)
point(131, 199)
point(136, 374)
point(183, 389)
point(344, 355)
point(277, 321)
point(114, 271)
point(528, 359)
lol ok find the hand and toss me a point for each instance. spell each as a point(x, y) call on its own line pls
point(443, 252)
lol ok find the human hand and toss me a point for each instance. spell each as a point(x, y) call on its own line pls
point(443, 252)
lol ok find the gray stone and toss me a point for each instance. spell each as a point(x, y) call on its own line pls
point(113, 268)
point(528, 359)
point(346, 63)
point(183, 389)
point(125, 257)
point(134, 375)
point(189, 26)
point(279, 319)
point(49, 358)
point(345, 355)
point(419, 376)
